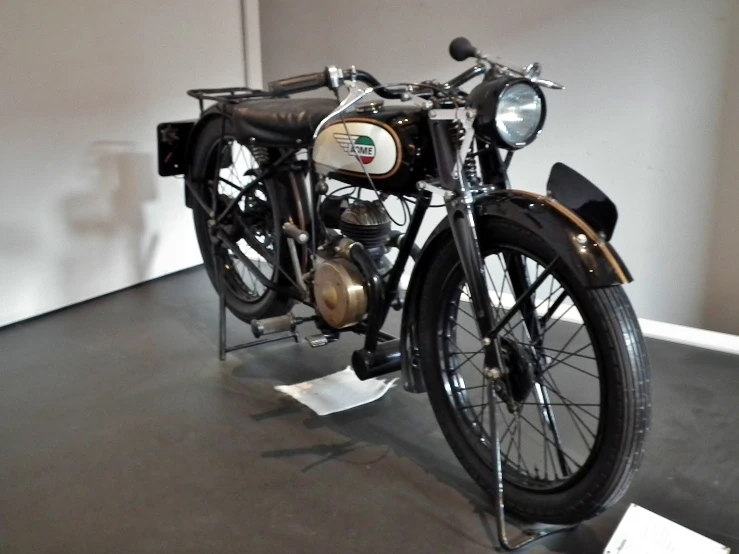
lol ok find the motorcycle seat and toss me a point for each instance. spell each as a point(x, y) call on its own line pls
point(279, 121)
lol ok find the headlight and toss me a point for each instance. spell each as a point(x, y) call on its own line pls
point(518, 117)
point(510, 111)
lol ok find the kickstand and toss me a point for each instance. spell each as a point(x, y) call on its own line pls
point(223, 348)
point(527, 536)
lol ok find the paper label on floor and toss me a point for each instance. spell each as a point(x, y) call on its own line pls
point(337, 392)
point(644, 532)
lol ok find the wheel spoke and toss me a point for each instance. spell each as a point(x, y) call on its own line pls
point(520, 457)
point(549, 422)
point(559, 318)
point(566, 401)
point(553, 403)
point(465, 389)
point(535, 310)
point(552, 308)
point(558, 361)
point(513, 434)
point(549, 440)
point(523, 328)
point(468, 359)
point(230, 182)
point(570, 355)
point(574, 415)
point(470, 333)
point(577, 369)
point(499, 307)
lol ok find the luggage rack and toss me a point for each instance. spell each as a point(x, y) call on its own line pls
point(228, 95)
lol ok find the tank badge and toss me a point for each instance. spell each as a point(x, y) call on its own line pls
point(360, 145)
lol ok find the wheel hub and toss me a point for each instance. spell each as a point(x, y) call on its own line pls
point(254, 215)
point(520, 365)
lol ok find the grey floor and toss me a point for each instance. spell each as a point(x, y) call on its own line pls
point(122, 432)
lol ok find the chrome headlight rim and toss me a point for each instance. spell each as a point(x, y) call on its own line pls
point(486, 98)
point(506, 86)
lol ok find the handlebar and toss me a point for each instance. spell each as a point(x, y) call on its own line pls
point(460, 49)
point(315, 81)
point(300, 83)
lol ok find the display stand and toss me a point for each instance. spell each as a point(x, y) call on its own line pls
point(527, 536)
point(223, 347)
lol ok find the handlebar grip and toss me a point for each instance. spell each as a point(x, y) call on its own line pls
point(300, 83)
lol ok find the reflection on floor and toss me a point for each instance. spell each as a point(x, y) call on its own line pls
point(121, 431)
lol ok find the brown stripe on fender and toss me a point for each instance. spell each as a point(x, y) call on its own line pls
point(585, 228)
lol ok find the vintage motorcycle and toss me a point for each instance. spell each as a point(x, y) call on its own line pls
point(514, 320)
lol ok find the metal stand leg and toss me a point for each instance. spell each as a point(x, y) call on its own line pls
point(223, 347)
point(527, 536)
point(221, 312)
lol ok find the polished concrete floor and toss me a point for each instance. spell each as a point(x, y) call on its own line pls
point(120, 431)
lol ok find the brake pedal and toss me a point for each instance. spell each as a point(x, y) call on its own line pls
point(322, 339)
point(317, 340)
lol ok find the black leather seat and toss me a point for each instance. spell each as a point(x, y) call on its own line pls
point(280, 121)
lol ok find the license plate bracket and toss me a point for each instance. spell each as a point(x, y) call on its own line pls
point(172, 140)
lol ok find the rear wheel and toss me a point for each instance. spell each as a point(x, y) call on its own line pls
point(258, 210)
point(574, 409)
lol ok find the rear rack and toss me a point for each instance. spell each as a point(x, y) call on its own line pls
point(228, 95)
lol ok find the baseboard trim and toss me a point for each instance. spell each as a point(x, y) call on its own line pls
point(659, 330)
point(690, 336)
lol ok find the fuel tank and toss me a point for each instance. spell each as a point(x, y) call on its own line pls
point(393, 144)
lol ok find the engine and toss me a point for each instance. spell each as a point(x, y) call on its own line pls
point(367, 223)
point(338, 285)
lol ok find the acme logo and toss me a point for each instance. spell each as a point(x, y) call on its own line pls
point(359, 145)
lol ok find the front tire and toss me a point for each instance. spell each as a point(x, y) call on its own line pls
point(590, 479)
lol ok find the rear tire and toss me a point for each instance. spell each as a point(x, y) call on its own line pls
point(621, 357)
point(245, 301)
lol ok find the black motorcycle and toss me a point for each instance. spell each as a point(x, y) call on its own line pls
point(514, 319)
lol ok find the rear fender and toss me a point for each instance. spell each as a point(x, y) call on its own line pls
point(576, 241)
point(192, 140)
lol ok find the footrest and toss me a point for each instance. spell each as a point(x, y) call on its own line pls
point(272, 325)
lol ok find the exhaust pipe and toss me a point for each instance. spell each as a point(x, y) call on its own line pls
point(385, 359)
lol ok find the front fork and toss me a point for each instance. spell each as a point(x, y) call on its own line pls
point(460, 210)
point(459, 198)
point(462, 222)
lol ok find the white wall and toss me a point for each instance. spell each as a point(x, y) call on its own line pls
point(84, 83)
point(639, 116)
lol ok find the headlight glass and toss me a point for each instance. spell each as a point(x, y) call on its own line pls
point(519, 114)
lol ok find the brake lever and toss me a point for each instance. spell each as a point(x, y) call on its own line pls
point(547, 84)
point(530, 72)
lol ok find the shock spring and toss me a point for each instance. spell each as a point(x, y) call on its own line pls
point(469, 167)
point(261, 155)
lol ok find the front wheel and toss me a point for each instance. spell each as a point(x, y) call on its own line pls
point(574, 406)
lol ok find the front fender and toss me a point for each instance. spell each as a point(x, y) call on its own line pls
point(593, 260)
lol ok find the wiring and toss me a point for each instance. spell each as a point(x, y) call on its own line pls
point(335, 194)
point(430, 205)
point(369, 178)
point(406, 210)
